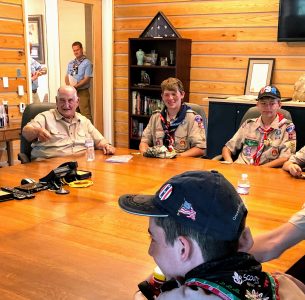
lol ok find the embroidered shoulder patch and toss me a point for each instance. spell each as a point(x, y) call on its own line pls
point(290, 128)
point(198, 119)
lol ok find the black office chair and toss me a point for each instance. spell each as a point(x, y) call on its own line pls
point(252, 113)
point(199, 110)
point(29, 113)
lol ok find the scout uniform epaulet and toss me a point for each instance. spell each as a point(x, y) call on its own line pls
point(191, 111)
point(248, 121)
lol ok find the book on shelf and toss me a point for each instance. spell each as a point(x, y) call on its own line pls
point(138, 106)
point(137, 129)
point(145, 105)
point(134, 102)
point(141, 128)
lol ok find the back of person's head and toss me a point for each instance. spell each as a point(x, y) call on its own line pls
point(77, 44)
point(201, 205)
point(269, 91)
point(172, 84)
point(211, 248)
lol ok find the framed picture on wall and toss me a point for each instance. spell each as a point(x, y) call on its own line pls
point(259, 74)
point(36, 37)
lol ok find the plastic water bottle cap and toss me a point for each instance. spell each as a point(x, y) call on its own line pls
point(244, 176)
point(158, 274)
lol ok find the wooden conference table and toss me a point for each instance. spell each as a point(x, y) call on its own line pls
point(82, 246)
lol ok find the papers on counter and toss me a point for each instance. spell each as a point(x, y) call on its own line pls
point(119, 158)
point(72, 80)
point(243, 97)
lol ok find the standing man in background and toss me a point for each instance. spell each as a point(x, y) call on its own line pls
point(36, 70)
point(79, 74)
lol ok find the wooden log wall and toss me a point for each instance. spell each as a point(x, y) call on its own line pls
point(224, 33)
point(12, 60)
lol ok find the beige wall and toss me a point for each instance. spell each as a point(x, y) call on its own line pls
point(71, 28)
point(224, 34)
point(37, 7)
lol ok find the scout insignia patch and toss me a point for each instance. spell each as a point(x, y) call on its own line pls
point(251, 143)
point(274, 152)
point(198, 119)
point(247, 151)
point(182, 143)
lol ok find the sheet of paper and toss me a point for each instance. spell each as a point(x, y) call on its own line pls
point(119, 158)
point(72, 80)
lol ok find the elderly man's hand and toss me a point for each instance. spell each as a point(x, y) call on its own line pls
point(108, 149)
point(43, 135)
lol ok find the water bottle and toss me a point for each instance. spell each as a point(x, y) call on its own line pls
point(243, 184)
point(89, 143)
point(156, 281)
point(152, 287)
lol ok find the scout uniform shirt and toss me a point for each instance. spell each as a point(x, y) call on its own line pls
point(280, 141)
point(66, 138)
point(190, 133)
point(298, 220)
point(299, 157)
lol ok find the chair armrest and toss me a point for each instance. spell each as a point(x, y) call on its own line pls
point(217, 157)
point(23, 158)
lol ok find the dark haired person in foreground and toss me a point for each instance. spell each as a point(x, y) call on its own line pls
point(196, 221)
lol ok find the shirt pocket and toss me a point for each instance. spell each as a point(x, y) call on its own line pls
point(57, 135)
point(181, 141)
point(81, 136)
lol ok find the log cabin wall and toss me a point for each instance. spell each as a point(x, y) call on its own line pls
point(224, 33)
point(12, 62)
point(12, 55)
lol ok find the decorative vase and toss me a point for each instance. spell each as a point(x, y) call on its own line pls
point(140, 57)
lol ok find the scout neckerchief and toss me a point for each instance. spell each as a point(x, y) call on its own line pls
point(76, 64)
point(237, 277)
point(257, 155)
point(170, 127)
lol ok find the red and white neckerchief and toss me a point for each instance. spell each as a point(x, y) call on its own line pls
point(257, 155)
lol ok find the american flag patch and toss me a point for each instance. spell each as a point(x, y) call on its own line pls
point(187, 210)
point(165, 192)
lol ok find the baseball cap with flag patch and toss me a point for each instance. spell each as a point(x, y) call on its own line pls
point(269, 91)
point(203, 200)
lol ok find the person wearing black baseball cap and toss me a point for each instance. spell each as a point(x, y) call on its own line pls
point(197, 224)
point(268, 140)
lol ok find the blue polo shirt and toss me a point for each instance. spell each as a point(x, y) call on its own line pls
point(35, 66)
point(85, 69)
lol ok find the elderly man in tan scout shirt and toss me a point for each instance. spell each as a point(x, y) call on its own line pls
point(63, 131)
point(268, 140)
